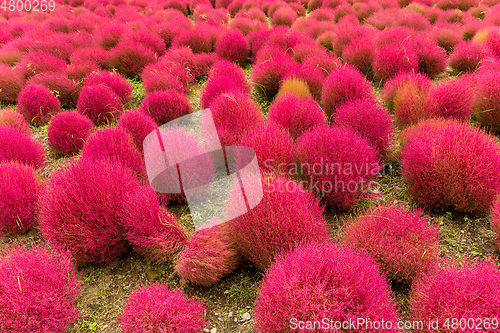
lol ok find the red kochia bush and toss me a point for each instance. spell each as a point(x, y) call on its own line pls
point(394, 85)
point(369, 119)
point(287, 216)
point(456, 291)
point(235, 72)
point(20, 187)
point(467, 56)
point(11, 83)
point(130, 58)
point(115, 81)
point(343, 85)
point(9, 117)
point(267, 75)
point(219, 85)
point(323, 281)
point(297, 115)
point(37, 62)
point(39, 289)
point(162, 81)
point(210, 254)
point(68, 131)
point(165, 106)
point(451, 99)
point(348, 163)
point(153, 231)
point(161, 308)
point(80, 209)
point(360, 52)
point(486, 106)
point(138, 125)
point(19, 147)
point(233, 46)
point(67, 89)
point(115, 144)
point(399, 239)
point(99, 103)
point(459, 166)
point(37, 104)
point(431, 57)
point(392, 59)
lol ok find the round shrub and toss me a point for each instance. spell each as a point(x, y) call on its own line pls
point(39, 289)
point(393, 58)
point(457, 167)
point(11, 118)
point(426, 127)
point(486, 105)
point(198, 40)
point(219, 85)
point(117, 145)
point(37, 104)
point(115, 81)
point(210, 254)
point(323, 281)
point(467, 56)
point(451, 99)
point(20, 187)
point(68, 132)
point(284, 16)
point(393, 86)
point(267, 75)
point(325, 63)
point(343, 85)
point(67, 90)
point(348, 163)
point(446, 38)
point(310, 75)
point(400, 240)
point(287, 216)
point(130, 58)
point(19, 147)
point(294, 86)
point(80, 209)
point(152, 230)
point(230, 69)
point(138, 125)
point(297, 115)
point(36, 62)
point(11, 84)
point(457, 290)
point(165, 106)
point(100, 103)
point(80, 70)
point(233, 113)
point(233, 46)
point(162, 81)
point(369, 119)
point(431, 57)
point(159, 307)
point(411, 100)
point(360, 52)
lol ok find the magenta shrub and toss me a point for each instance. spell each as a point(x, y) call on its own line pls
point(67, 90)
point(411, 101)
point(287, 216)
point(162, 81)
point(20, 187)
point(138, 125)
point(325, 62)
point(311, 75)
point(394, 85)
point(217, 85)
point(79, 210)
point(115, 81)
point(457, 290)
point(37, 104)
point(165, 106)
point(100, 103)
point(451, 99)
point(235, 72)
point(39, 289)
point(147, 38)
point(36, 62)
point(233, 46)
point(109, 35)
point(152, 230)
point(446, 37)
point(399, 239)
point(323, 281)
point(467, 56)
point(284, 16)
point(431, 58)
point(392, 59)
point(486, 105)
point(267, 75)
point(210, 254)
point(360, 52)
point(348, 163)
point(161, 308)
point(11, 118)
point(80, 70)
point(130, 58)
point(20, 147)
point(95, 54)
point(297, 115)
point(198, 40)
point(343, 85)
point(68, 132)
point(369, 119)
point(457, 167)
point(115, 144)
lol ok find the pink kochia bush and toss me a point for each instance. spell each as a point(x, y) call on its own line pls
point(20, 147)
point(347, 162)
point(392, 59)
point(152, 230)
point(130, 58)
point(20, 187)
point(233, 46)
point(486, 106)
point(138, 125)
point(115, 81)
point(399, 239)
point(287, 216)
point(458, 166)
point(297, 115)
point(466, 290)
point(219, 85)
point(210, 254)
point(161, 308)
point(343, 85)
point(39, 289)
point(467, 56)
point(37, 104)
point(165, 106)
point(79, 210)
point(68, 90)
point(267, 75)
point(9, 117)
point(323, 281)
point(11, 83)
point(100, 103)
point(369, 119)
point(68, 132)
point(451, 99)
